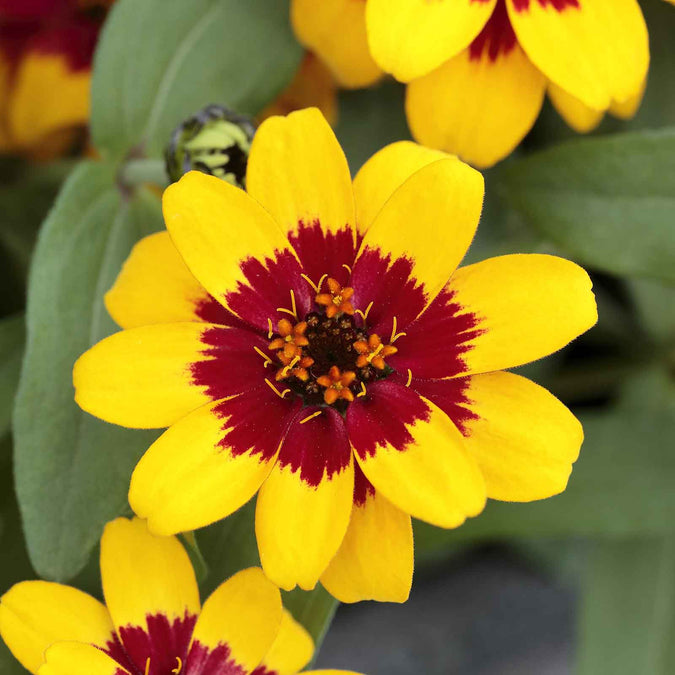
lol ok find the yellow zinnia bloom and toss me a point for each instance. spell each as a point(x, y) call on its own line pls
point(313, 340)
point(479, 69)
point(152, 622)
point(46, 50)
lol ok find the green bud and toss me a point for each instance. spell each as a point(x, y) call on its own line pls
point(216, 141)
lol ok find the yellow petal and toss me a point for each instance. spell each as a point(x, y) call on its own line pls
point(225, 237)
point(47, 97)
point(527, 306)
point(627, 109)
point(436, 210)
point(226, 463)
point(499, 102)
point(524, 440)
point(292, 649)
point(578, 115)
point(298, 172)
point(409, 38)
point(36, 614)
point(601, 49)
point(375, 561)
point(385, 171)
point(155, 286)
point(142, 377)
point(144, 575)
point(243, 614)
point(76, 658)
point(412, 453)
point(304, 505)
point(336, 31)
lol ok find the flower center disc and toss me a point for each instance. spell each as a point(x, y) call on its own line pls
point(327, 359)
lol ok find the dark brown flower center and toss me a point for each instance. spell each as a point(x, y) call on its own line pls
point(329, 357)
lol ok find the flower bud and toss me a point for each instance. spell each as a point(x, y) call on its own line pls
point(216, 141)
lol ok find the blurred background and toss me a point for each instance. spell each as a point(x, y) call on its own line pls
point(583, 583)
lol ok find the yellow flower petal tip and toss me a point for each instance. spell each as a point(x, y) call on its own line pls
point(319, 351)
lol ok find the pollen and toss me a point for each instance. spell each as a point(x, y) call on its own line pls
point(337, 300)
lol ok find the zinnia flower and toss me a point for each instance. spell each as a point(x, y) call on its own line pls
point(479, 69)
point(313, 340)
point(152, 622)
point(46, 49)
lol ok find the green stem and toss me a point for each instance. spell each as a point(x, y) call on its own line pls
point(137, 172)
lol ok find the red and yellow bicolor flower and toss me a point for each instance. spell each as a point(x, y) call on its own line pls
point(152, 622)
point(313, 341)
point(478, 70)
point(46, 49)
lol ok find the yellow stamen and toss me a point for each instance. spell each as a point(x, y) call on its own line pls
point(364, 315)
point(378, 349)
point(394, 335)
point(311, 417)
point(294, 311)
point(363, 390)
point(147, 666)
point(290, 366)
point(270, 331)
point(310, 282)
point(347, 267)
point(276, 391)
point(407, 384)
point(318, 286)
point(177, 670)
point(268, 360)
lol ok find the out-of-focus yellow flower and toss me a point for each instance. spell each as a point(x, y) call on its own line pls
point(46, 49)
point(478, 70)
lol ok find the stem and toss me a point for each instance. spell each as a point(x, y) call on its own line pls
point(135, 172)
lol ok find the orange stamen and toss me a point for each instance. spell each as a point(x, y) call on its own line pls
point(373, 352)
point(337, 385)
point(337, 300)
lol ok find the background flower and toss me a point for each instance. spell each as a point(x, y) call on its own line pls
point(46, 50)
point(152, 622)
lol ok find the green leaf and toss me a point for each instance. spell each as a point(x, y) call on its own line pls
point(25, 199)
point(12, 336)
point(159, 62)
point(72, 470)
point(230, 545)
point(14, 564)
point(608, 202)
point(628, 608)
point(621, 486)
point(655, 305)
